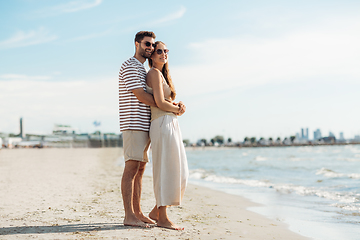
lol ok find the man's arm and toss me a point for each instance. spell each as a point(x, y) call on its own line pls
point(144, 97)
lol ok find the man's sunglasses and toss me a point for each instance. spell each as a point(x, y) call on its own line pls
point(160, 51)
point(148, 44)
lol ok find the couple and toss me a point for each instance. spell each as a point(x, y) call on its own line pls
point(147, 111)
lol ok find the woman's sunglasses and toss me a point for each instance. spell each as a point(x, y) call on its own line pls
point(160, 51)
point(148, 44)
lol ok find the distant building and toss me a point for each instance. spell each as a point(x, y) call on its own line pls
point(22, 133)
point(341, 136)
point(11, 142)
point(329, 139)
point(63, 130)
point(200, 142)
point(263, 141)
point(331, 134)
point(305, 134)
point(317, 134)
point(287, 141)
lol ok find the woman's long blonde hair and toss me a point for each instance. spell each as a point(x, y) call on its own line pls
point(166, 73)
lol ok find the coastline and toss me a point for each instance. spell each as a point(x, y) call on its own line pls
point(255, 145)
point(75, 193)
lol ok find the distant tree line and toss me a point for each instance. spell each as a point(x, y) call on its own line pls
point(217, 139)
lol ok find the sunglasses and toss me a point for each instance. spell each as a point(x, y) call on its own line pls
point(160, 51)
point(148, 44)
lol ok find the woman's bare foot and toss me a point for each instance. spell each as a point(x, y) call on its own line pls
point(164, 221)
point(169, 225)
point(154, 214)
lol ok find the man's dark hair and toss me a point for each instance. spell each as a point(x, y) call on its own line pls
point(140, 35)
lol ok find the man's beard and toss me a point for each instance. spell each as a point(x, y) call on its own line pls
point(144, 54)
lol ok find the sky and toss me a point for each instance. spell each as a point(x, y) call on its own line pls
point(242, 68)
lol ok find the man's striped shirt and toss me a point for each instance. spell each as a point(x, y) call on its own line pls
point(133, 114)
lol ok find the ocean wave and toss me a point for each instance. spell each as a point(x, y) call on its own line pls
point(260, 158)
point(342, 197)
point(347, 198)
point(353, 149)
point(350, 207)
point(332, 174)
point(356, 159)
point(210, 177)
point(297, 159)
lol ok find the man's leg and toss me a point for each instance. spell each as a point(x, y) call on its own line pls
point(127, 191)
point(137, 194)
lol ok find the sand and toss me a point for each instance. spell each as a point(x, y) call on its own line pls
point(75, 194)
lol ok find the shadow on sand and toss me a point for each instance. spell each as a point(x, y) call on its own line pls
point(62, 228)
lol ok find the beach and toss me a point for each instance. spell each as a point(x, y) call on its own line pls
point(74, 193)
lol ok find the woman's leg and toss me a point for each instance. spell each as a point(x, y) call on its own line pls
point(154, 214)
point(164, 221)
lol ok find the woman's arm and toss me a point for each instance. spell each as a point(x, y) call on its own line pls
point(154, 80)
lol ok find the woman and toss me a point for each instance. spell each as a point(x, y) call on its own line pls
point(170, 170)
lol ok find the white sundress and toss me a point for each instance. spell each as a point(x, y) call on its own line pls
point(170, 168)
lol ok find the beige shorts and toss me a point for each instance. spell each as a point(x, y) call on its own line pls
point(136, 145)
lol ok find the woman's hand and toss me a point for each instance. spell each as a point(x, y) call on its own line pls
point(182, 108)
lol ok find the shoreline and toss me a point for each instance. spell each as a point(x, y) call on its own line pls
point(275, 145)
point(75, 193)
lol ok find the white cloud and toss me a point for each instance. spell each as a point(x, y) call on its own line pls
point(23, 39)
point(172, 16)
point(93, 35)
point(243, 86)
point(20, 77)
point(73, 6)
point(164, 20)
point(240, 61)
point(44, 103)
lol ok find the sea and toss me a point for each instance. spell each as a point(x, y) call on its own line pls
point(315, 190)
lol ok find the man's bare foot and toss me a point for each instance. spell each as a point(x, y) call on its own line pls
point(154, 214)
point(169, 225)
point(134, 222)
point(145, 219)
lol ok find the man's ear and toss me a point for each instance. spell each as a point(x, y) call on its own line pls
point(137, 45)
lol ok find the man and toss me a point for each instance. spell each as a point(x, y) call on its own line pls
point(134, 113)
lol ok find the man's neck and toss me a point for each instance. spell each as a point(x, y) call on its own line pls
point(140, 58)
